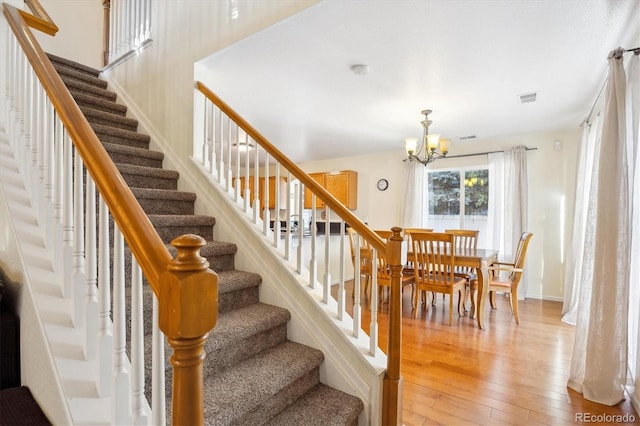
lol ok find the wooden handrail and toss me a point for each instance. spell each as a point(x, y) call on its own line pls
point(320, 192)
point(144, 241)
point(186, 289)
point(392, 384)
point(39, 19)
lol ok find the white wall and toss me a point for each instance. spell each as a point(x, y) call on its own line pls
point(551, 195)
point(160, 80)
point(80, 30)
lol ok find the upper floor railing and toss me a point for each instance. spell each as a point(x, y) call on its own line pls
point(127, 28)
point(70, 173)
point(281, 200)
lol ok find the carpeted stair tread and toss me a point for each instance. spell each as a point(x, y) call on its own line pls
point(180, 220)
point(165, 201)
point(321, 406)
point(18, 407)
point(171, 226)
point(87, 100)
point(243, 333)
point(67, 72)
point(133, 169)
point(80, 86)
point(72, 64)
point(109, 119)
point(245, 322)
point(133, 154)
point(116, 135)
point(234, 279)
point(165, 194)
point(240, 390)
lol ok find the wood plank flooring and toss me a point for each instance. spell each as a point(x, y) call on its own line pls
point(508, 374)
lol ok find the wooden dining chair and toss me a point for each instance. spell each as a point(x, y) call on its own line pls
point(434, 268)
point(358, 243)
point(510, 283)
point(383, 275)
point(408, 267)
point(467, 240)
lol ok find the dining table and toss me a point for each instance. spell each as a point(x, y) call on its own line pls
point(480, 260)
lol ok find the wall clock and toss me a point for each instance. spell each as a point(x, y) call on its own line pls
point(383, 184)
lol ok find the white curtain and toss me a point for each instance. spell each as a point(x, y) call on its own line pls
point(633, 134)
point(495, 214)
point(508, 203)
point(589, 146)
point(599, 360)
point(415, 206)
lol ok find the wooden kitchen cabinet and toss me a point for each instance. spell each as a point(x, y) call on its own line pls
point(272, 191)
point(318, 177)
point(341, 184)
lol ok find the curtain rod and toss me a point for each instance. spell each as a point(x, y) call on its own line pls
point(483, 153)
point(617, 55)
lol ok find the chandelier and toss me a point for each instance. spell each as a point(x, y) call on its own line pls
point(431, 147)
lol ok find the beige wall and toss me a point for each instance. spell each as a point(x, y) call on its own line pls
point(80, 30)
point(187, 37)
point(160, 81)
point(551, 195)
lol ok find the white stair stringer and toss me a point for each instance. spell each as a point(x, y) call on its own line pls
point(70, 378)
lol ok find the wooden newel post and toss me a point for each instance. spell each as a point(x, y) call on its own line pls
point(392, 385)
point(188, 311)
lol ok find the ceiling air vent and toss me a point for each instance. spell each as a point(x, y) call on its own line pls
point(466, 138)
point(528, 98)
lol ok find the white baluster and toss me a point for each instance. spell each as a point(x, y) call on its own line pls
point(91, 299)
point(58, 177)
point(276, 204)
point(229, 168)
point(105, 334)
point(341, 291)
point(266, 213)
point(300, 200)
point(313, 263)
point(211, 119)
point(288, 235)
point(159, 416)
point(373, 326)
point(140, 408)
point(221, 165)
point(247, 169)
point(79, 276)
point(357, 273)
point(67, 211)
point(120, 399)
point(237, 193)
point(256, 186)
point(327, 257)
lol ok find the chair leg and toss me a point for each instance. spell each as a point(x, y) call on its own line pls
point(462, 295)
point(450, 308)
point(416, 295)
point(472, 294)
point(492, 299)
point(514, 305)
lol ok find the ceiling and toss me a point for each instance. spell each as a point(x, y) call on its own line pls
point(466, 60)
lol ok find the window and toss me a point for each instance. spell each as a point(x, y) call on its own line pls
point(459, 199)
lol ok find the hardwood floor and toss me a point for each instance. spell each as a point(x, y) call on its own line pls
point(508, 374)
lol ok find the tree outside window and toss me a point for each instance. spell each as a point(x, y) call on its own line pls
point(459, 199)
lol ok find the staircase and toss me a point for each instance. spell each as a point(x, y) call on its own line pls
point(253, 373)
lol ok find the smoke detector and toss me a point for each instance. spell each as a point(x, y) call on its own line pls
point(360, 69)
point(528, 98)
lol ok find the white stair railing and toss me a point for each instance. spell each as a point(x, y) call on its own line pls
point(129, 28)
point(264, 190)
point(66, 198)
